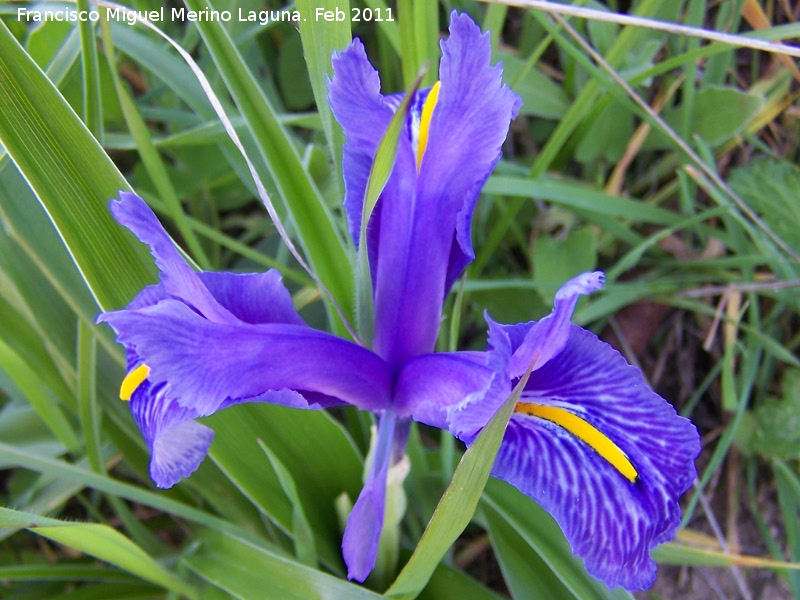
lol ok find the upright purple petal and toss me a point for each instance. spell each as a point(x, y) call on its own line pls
point(545, 339)
point(253, 297)
point(419, 228)
point(355, 97)
point(363, 531)
point(610, 521)
point(179, 279)
point(469, 126)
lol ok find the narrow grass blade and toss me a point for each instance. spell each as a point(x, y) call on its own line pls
point(99, 541)
point(457, 506)
point(26, 379)
point(320, 39)
point(245, 571)
point(302, 533)
point(71, 175)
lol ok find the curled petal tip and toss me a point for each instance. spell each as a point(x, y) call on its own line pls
point(585, 283)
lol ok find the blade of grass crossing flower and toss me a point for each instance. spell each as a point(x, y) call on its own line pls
point(310, 216)
point(320, 39)
point(72, 177)
point(99, 541)
point(426, 33)
point(150, 158)
point(457, 506)
point(378, 176)
point(302, 533)
point(245, 571)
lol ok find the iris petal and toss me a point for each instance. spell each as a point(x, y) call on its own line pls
point(548, 336)
point(432, 385)
point(611, 522)
point(467, 131)
point(179, 279)
point(177, 444)
point(205, 364)
point(363, 531)
point(355, 97)
point(424, 223)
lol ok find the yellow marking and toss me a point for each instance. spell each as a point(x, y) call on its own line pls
point(425, 121)
point(132, 381)
point(585, 432)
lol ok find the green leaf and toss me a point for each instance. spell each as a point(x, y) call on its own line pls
point(719, 114)
point(99, 541)
point(295, 437)
point(777, 422)
point(540, 96)
point(27, 380)
point(71, 175)
point(302, 532)
point(458, 503)
point(770, 188)
point(247, 572)
point(577, 196)
point(608, 135)
point(447, 582)
point(320, 40)
point(557, 260)
point(524, 571)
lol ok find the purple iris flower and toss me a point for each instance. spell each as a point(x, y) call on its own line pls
point(588, 439)
point(201, 342)
point(418, 236)
point(587, 431)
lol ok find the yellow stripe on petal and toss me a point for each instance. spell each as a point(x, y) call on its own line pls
point(585, 432)
point(132, 381)
point(425, 121)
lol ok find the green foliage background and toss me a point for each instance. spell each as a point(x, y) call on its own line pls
point(694, 212)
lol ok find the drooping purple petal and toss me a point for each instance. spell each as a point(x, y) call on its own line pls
point(205, 364)
point(363, 531)
point(419, 228)
point(177, 444)
point(610, 521)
